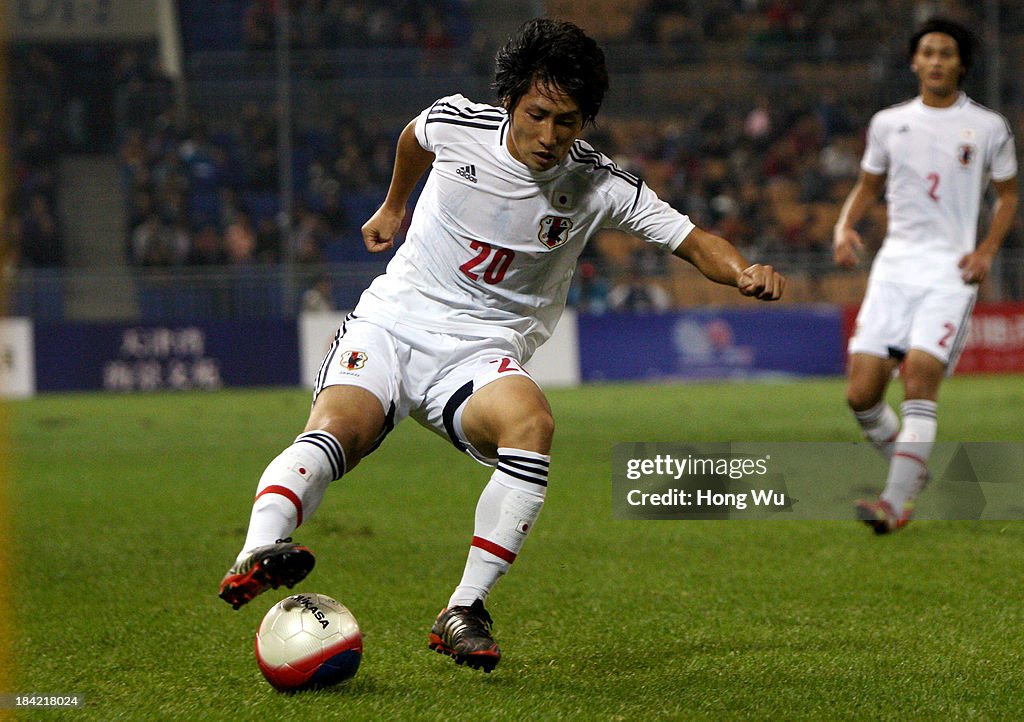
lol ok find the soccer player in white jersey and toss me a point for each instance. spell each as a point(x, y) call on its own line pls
point(934, 155)
point(512, 197)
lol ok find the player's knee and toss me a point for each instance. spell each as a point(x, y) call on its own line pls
point(356, 439)
point(533, 430)
point(351, 415)
point(545, 424)
point(922, 378)
point(861, 399)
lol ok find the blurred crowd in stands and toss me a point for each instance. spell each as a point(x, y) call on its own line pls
point(428, 24)
point(767, 170)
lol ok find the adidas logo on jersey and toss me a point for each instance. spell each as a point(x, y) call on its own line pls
point(468, 172)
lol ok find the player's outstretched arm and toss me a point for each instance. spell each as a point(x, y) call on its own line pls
point(975, 265)
point(719, 261)
point(411, 162)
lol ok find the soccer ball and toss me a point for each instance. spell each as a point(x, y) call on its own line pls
point(307, 641)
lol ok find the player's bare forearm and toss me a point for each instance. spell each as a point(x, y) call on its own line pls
point(411, 162)
point(847, 244)
point(720, 262)
point(713, 256)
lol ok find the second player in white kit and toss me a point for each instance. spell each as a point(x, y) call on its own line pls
point(935, 156)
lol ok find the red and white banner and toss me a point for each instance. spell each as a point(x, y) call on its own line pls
point(996, 341)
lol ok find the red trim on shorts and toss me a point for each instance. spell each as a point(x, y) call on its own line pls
point(498, 551)
point(287, 494)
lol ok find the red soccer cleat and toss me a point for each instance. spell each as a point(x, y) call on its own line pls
point(266, 567)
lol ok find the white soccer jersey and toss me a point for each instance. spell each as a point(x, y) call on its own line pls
point(492, 245)
point(938, 161)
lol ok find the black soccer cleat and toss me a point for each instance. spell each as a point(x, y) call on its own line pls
point(464, 634)
point(266, 567)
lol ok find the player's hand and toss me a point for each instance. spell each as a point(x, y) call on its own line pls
point(846, 247)
point(762, 282)
point(379, 232)
point(974, 266)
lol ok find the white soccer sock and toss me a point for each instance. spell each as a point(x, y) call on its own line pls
point(292, 487)
point(909, 467)
point(508, 507)
point(880, 425)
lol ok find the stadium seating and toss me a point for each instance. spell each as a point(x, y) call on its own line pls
point(679, 120)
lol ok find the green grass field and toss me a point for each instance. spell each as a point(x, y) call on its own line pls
point(126, 510)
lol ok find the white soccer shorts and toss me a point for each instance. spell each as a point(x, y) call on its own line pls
point(895, 318)
point(417, 373)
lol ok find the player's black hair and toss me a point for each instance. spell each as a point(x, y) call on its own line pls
point(964, 38)
point(555, 53)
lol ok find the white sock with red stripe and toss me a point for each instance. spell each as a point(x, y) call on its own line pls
point(909, 467)
point(508, 507)
point(880, 425)
point(292, 487)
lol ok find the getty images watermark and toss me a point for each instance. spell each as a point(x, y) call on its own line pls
point(807, 480)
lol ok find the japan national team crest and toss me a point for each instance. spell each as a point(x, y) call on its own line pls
point(353, 360)
point(965, 154)
point(554, 230)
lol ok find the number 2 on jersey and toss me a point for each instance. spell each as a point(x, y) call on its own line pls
point(497, 261)
point(933, 186)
